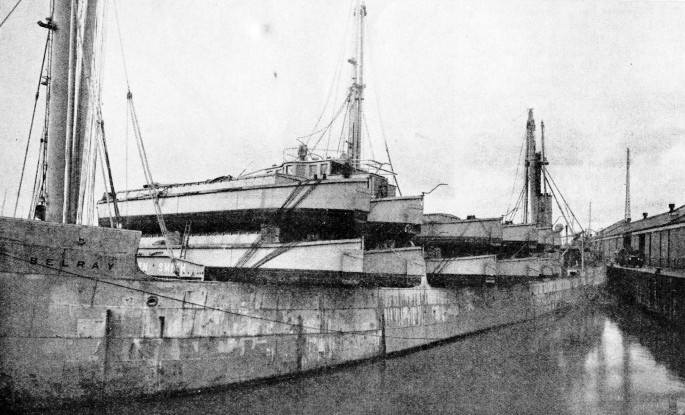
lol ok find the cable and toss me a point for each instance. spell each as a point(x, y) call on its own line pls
point(382, 125)
point(564, 199)
point(33, 116)
point(342, 129)
point(329, 124)
point(368, 138)
point(10, 13)
point(121, 45)
point(336, 75)
point(518, 166)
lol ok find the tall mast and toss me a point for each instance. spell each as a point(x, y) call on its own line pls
point(544, 159)
point(530, 204)
point(627, 214)
point(357, 91)
point(59, 110)
point(76, 194)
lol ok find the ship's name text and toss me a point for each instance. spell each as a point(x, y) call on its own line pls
point(50, 262)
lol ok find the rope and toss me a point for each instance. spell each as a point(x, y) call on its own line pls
point(380, 121)
point(154, 195)
point(518, 167)
point(335, 82)
point(107, 195)
point(10, 13)
point(342, 129)
point(121, 45)
point(515, 209)
point(33, 116)
point(562, 198)
point(368, 137)
point(41, 163)
point(314, 330)
point(558, 204)
point(105, 161)
point(328, 127)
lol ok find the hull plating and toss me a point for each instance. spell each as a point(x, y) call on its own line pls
point(65, 338)
point(80, 322)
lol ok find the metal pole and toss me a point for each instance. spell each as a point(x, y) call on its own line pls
point(58, 106)
point(76, 194)
point(68, 209)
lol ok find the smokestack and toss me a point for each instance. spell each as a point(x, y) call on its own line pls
point(644, 215)
point(671, 207)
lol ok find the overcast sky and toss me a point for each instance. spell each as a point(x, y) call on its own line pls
point(221, 86)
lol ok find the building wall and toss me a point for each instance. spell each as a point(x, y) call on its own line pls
point(662, 247)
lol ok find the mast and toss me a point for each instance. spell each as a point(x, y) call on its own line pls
point(627, 213)
point(75, 201)
point(531, 167)
point(544, 159)
point(357, 91)
point(59, 110)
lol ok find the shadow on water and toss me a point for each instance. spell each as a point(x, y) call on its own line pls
point(608, 360)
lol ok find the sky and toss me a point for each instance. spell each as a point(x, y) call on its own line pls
point(222, 87)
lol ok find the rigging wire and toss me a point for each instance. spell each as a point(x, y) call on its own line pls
point(105, 162)
point(10, 13)
point(33, 117)
point(121, 45)
point(152, 186)
point(128, 88)
point(41, 163)
point(516, 207)
point(518, 167)
point(324, 129)
point(558, 204)
point(564, 199)
point(107, 195)
point(335, 82)
point(147, 172)
point(341, 140)
point(382, 125)
point(368, 138)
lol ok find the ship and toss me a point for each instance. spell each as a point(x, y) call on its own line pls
point(302, 266)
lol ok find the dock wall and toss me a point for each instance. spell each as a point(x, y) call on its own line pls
point(662, 293)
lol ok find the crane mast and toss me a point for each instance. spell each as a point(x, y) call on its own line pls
point(357, 91)
point(537, 207)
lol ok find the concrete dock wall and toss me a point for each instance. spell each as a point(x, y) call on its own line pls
point(662, 293)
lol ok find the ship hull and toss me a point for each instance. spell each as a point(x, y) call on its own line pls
point(80, 322)
point(66, 338)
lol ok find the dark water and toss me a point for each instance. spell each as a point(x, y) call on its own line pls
point(610, 360)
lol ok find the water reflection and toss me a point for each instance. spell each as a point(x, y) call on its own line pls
point(605, 361)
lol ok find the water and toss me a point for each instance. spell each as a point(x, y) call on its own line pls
point(609, 360)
